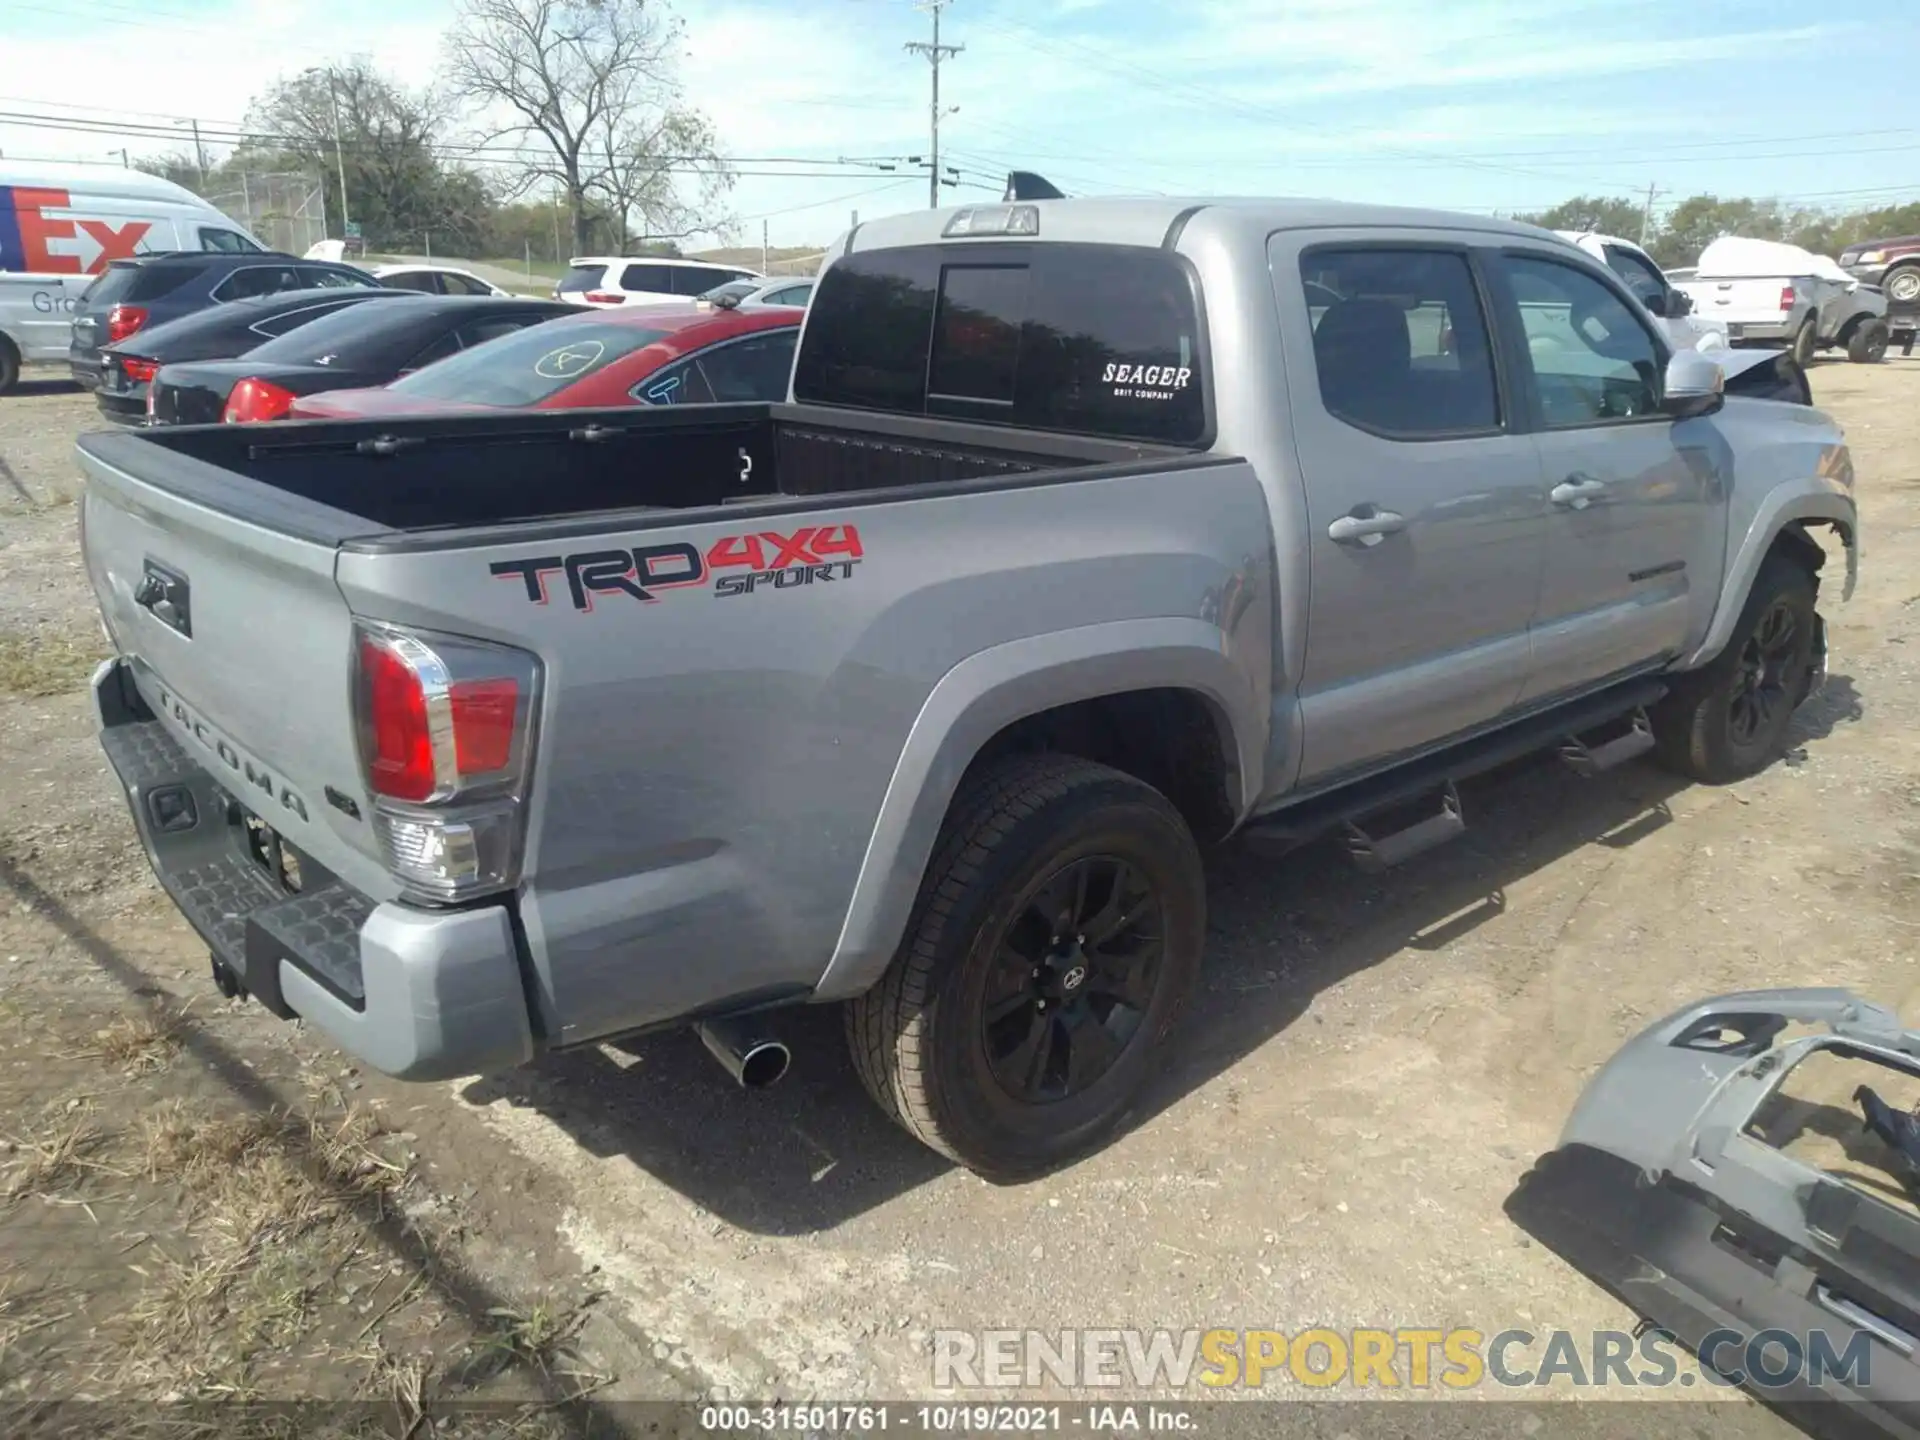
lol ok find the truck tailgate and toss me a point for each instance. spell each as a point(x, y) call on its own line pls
point(240, 641)
point(1739, 302)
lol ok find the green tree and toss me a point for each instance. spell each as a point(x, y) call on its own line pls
point(1607, 214)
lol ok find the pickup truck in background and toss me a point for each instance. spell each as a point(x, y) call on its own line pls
point(1096, 531)
point(1774, 295)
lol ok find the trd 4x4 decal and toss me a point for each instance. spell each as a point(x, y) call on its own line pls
point(767, 560)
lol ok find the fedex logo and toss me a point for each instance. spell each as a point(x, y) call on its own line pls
point(28, 234)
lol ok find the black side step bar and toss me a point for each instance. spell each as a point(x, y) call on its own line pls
point(1347, 806)
point(1590, 761)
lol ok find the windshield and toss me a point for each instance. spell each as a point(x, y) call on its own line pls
point(581, 278)
point(735, 289)
point(526, 367)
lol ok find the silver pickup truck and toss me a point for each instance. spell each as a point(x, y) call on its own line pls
point(1096, 531)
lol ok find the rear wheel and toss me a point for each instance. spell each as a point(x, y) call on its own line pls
point(1056, 937)
point(1730, 719)
point(1867, 345)
point(9, 365)
point(1806, 341)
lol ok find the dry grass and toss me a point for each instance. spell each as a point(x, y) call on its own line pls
point(56, 1157)
point(142, 1043)
point(42, 664)
point(27, 1307)
point(272, 1200)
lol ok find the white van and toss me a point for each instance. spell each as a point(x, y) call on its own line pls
point(61, 224)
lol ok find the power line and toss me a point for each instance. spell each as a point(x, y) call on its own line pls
point(935, 53)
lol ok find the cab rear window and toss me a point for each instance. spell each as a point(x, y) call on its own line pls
point(1082, 339)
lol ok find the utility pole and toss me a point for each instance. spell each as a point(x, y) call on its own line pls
point(339, 155)
point(1646, 215)
point(935, 53)
point(763, 247)
point(199, 152)
point(124, 161)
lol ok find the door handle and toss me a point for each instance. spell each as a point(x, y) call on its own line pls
point(1368, 529)
point(1577, 491)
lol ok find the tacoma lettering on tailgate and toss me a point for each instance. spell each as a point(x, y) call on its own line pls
point(767, 560)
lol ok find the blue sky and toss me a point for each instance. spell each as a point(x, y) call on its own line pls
point(1470, 104)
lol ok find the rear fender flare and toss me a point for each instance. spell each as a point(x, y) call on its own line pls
point(984, 694)
point(1820, 503)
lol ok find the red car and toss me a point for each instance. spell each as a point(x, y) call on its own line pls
point(643, 355)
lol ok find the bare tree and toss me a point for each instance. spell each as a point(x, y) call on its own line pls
point(590, 88)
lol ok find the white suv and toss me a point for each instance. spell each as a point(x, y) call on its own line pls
point(617, 280)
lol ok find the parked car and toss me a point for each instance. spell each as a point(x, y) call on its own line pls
point(354, 346)
point(436, 280)
point(1672, 306)
point(922, 692)
point(654, 356)
point(60, 224)
point(133, 295)
point(612, 280)
point(752, 294)
point(129, 367)
point(1893, 265)
point(1772, 294)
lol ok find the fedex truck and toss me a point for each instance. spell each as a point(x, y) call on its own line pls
point(61, 224)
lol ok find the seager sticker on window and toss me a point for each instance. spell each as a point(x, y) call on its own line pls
point(569, 360)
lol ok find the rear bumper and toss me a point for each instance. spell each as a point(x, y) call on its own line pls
point(1761, 333)
point(418, 994)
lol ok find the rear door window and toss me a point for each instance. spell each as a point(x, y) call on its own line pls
point(690, 280)
point(657, 279)
point(1084, 339)
point(1400, 341)
point(331, 277)
point(424, 281)
point(255, 280)
point(681, 384)
point(757, 368)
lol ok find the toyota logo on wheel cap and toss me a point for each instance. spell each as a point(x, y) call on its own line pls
point(1074, 979)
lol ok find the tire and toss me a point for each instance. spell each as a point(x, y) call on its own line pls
point(1806, 340)
point(1902, 284)
point(1867, 345)
point(975, 1056)
point(1730, 719)
point(9, 365)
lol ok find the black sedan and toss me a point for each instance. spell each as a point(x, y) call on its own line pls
point(219, 333)
point(358, 347)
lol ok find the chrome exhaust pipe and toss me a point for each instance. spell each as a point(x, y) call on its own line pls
point(754, 1060)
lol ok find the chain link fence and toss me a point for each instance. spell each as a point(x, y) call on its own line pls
point(287, 211)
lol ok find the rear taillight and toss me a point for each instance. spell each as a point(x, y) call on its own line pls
point(253, 401)
point(122, 321)
point(605, 297)
point(445, 742)
point(140, 371)
point(1786, 298)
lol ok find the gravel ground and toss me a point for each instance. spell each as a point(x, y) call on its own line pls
point(1369, 1069)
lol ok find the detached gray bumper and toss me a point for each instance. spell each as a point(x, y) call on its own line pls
point(1666, 1191)
point(418, 994)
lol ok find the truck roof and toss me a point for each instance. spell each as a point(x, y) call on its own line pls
point(1149, 220)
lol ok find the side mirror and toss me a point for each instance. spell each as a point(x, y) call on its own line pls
point(1660, 303)
point(1679, 304)
point(1695, 385)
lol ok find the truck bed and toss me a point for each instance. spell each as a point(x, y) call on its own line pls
point(377, 481)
